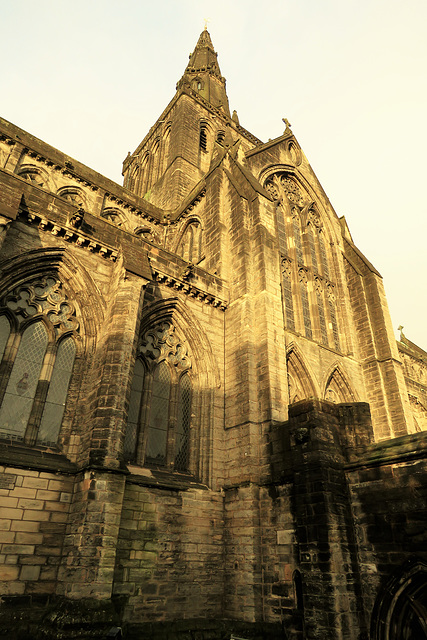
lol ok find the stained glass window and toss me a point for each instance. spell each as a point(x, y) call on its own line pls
point(297, 237)
point(305, 305)
point(281, 230)
point(58, 388)
point(131, 437)
point(333, 316)
point(322, 319)
point(19, 396)
point(323, 255)
point(4, 334)
point(159, 415)
point(312, 247)
point(183, 424)
point(287, 295)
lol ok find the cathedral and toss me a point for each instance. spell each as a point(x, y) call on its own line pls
point(208, 429)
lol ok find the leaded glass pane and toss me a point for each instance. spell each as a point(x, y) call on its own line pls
point(334, 323)
point(312, 247)
point(305, 309)
point(322, 319)
point(159, 415)
point(130, 442)
point(281, 230)
point(297, 238)
point(289, 305)
point(183, 424)
point(18, 399)
point(4, 334)
point(323, 255)
point(57, 395)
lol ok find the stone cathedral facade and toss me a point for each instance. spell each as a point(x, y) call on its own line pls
point(207, 426)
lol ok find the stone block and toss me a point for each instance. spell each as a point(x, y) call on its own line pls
point(29, 572)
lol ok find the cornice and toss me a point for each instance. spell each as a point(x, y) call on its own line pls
point(71, 235)
point(188, 289)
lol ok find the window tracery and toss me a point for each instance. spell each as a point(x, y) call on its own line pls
point(43, 296)
point(158, 429)
point(37, 352)
point(74, 196)
point(113, 215)
point(337, 388)
point(33, 176)
point(299, 380)
point(308, 293)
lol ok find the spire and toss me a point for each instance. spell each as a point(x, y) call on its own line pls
point(203, 74)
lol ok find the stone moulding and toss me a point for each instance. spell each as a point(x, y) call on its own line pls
point(73, 236)
point(189, 289)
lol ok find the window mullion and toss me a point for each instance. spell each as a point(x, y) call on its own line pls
point(7, 362)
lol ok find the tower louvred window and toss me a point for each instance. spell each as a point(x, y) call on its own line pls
point(203, 141)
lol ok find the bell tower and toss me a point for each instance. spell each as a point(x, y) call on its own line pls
point(177, 151)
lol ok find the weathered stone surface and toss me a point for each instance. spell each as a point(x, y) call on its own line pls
point(207, 428)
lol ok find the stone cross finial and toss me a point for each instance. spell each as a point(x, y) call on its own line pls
point(206, 23)
point(287, 123)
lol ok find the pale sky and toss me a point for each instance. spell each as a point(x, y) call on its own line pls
point(91, 77)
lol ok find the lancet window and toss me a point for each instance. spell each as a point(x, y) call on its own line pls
point(203, 138)
point(308, 293)
point(159, 417)
point(191, 243)
point(38, 330)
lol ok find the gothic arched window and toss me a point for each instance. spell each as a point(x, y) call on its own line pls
point(309, 297)
point(159, 417)
point(203, 138)
point(37, 351)
point(191, 243)
point(73, 195)
point(33, 175)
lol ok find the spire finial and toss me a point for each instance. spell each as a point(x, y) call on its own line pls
point(287, 123)
point(206, 23)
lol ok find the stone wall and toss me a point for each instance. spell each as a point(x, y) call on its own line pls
point(169, 560)
point(389, 503)
point(34, 514)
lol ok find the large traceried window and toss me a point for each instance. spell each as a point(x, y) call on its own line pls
point(159, 417)
point(38, 328)
point(309, 297)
